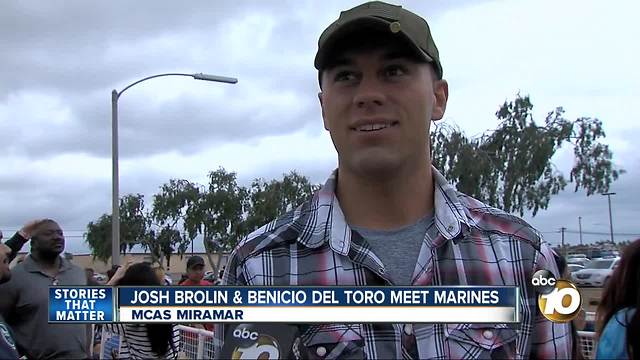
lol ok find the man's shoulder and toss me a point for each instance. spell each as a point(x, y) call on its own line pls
point(282, 231)
point(72, 267)
point(491, 219)
point(74, 273)
point(19, 271)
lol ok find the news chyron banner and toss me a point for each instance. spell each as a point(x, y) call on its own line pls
point(223, 304)
point(86, 304)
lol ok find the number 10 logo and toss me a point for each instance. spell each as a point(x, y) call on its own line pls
point(558, 300)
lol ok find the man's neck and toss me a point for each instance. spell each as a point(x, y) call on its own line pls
point(389, 203)
point(47, 261)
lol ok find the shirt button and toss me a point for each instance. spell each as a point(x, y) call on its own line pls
point(450, 228)
point(408, 329)
point(488, 334)
point(321, 351)
point(381, 271)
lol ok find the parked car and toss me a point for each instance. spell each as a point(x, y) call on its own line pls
point(211, 277)
point(574, 267)
point(596, 273)
point(581, 259)
point(603, 254)
point(101, 278)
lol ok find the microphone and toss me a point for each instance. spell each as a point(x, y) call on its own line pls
point(264, 341)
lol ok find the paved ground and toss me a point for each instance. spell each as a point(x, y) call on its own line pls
point(590, 297)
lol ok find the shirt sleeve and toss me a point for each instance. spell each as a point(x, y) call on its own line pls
point(15, 244)
point(550, 340)
point(612, 343)
point(8, 300)
point(230, 278)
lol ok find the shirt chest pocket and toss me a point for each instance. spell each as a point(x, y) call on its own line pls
point(481, 341)
point(331, 341)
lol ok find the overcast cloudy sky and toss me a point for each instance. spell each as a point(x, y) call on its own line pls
point(60, 61)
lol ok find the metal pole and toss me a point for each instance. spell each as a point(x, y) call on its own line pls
point(115, 195)
point(564, 251)
point(115, 206)
point(610, 218)
point(200, 348)
point(580, 227)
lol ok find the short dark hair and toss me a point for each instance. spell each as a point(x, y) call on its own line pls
point(112, 271)
point(37, 229)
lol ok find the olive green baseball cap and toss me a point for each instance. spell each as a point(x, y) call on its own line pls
point(387, 17)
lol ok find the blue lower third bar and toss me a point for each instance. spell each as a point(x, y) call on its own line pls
point(81, 304)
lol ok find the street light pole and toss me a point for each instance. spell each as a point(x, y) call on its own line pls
point(115, 176)
point(115, 182)
point(608, 195)
point(580, 227)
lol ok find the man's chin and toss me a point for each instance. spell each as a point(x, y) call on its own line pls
point(52, 253)
point(377, 166)
point(5, 278)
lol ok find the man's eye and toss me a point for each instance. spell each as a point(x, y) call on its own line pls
point(344, 76)
point(395, 70)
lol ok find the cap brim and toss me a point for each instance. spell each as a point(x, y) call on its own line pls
point(358, 25)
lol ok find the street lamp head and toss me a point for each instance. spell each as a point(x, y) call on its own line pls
point(216, 78)
point(608, 193)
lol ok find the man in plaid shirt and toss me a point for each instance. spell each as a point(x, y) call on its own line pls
point(387, 217)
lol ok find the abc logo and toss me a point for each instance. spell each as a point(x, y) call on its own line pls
point(245, 334)
point(254, 345)
point(558, 300)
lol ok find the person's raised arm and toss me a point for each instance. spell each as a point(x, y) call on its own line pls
point(120, 272)
point(21, 237)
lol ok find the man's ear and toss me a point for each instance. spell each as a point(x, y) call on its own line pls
point(34, 242)
point(441, 93)
point(324, 118)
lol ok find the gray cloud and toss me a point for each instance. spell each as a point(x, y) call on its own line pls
point(566, 207)
point(61, 61)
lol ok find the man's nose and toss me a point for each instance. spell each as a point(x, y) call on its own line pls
point(370, 93)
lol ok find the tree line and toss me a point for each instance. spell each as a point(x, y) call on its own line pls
point(221, 213)
point(509, 167)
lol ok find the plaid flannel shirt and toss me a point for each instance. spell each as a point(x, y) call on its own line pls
point(476, 245)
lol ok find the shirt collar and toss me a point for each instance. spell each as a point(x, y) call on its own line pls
point(31, 265)
point(327, 221)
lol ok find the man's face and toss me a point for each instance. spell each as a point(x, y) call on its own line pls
point(48, 238)
point(195, 273)
point(377, 105)
point(5, 272)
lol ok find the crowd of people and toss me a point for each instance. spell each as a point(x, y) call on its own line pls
point(24, 327)
point(23, 303)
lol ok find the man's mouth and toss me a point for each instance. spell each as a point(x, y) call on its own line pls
point(374, 126)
